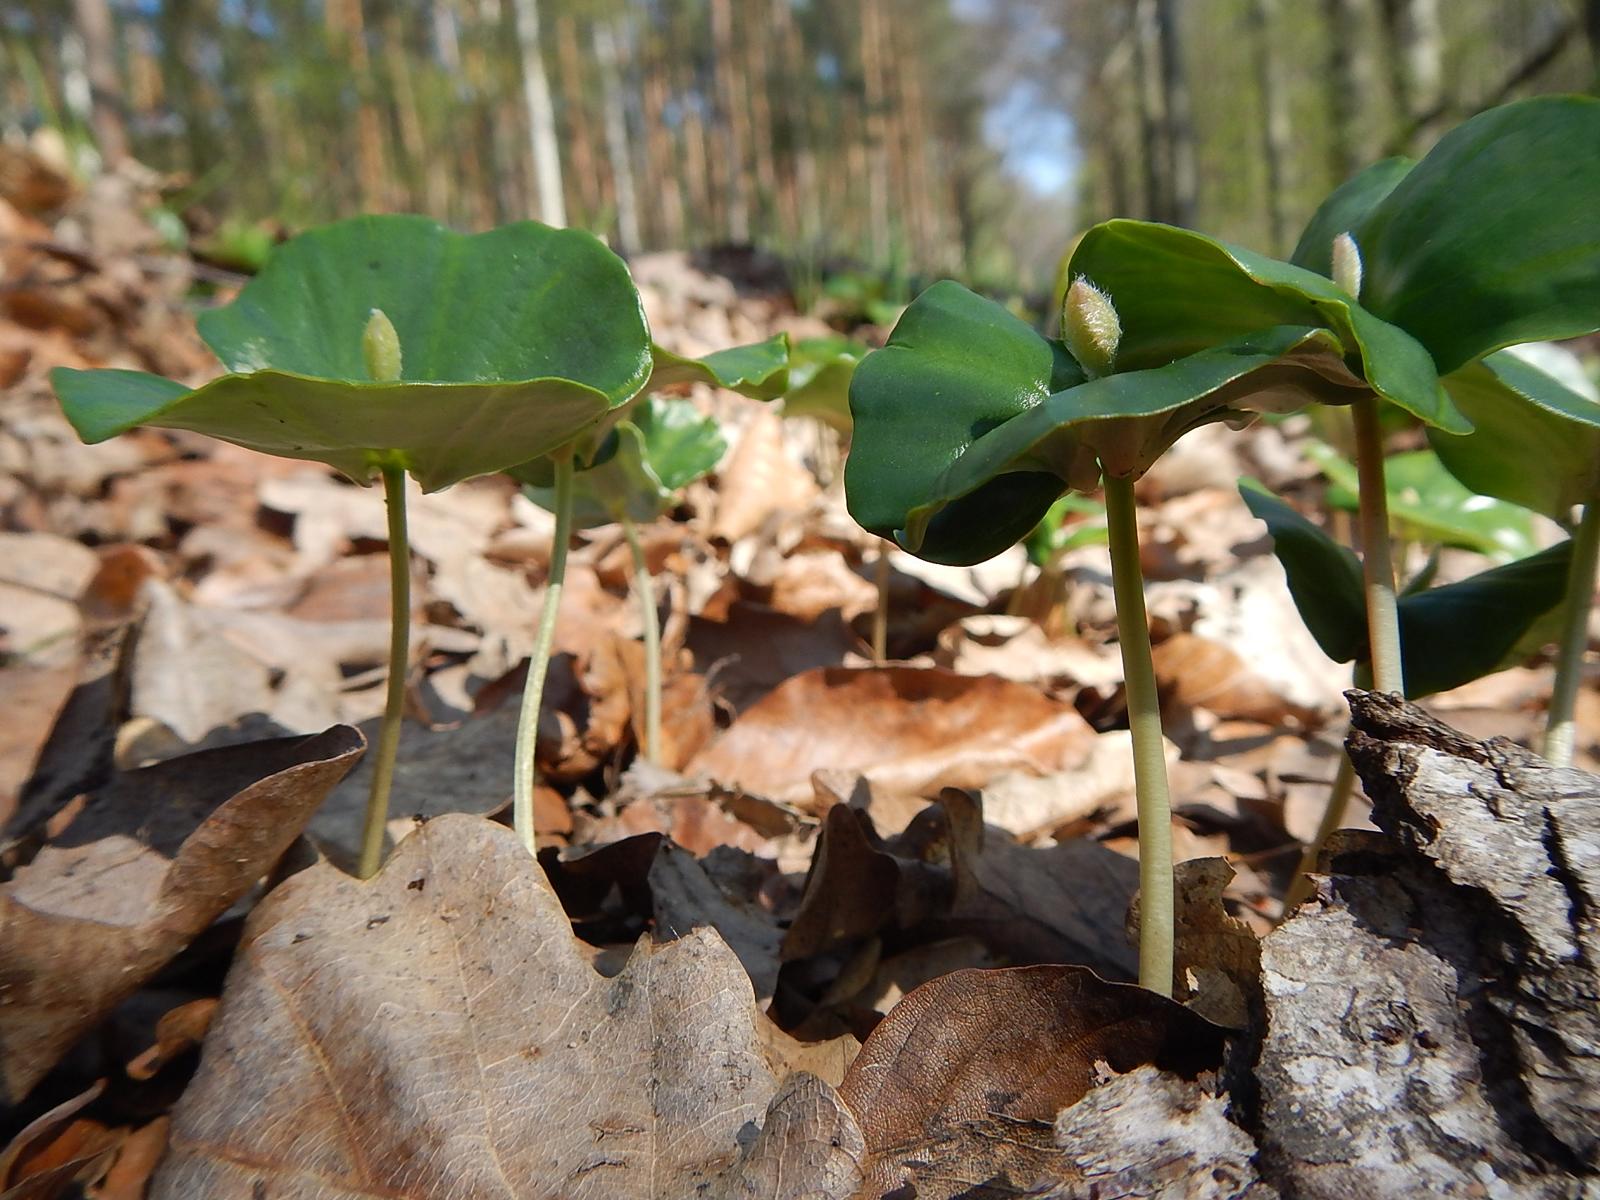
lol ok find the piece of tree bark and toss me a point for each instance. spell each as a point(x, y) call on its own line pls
point(1431, 1021)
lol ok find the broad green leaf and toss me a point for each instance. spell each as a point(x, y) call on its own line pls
point(517, 303)
point(955, 366)
point(1344, 210)
point(661, 447)
point(514, 342)
point(1449, 635)
point(1119, 423)
point(820, 370)
point(1493, 238)
point(1536, 442)
point(1178, 292)
point(1324, 577)
point(759, 370)
point(1429, 504)
point(1463, 631)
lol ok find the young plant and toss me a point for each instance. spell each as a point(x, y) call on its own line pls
point(969, 426)
point(1450, 635)
point(1491, 239)
point(386, 346)
point(760, 371)
point(1537, 444)
point(661, 447)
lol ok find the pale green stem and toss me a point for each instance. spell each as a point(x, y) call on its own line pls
point(1560, 726)
point(1156, 932)
point(1383, 614)
point(394, 498)
point(652, 643)
point(880, 617)
point(523, 772)
point(1332, 817)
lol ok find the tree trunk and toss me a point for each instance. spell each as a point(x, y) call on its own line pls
point(1349, 83)
point(93, 19)
point(1415, 44)
point(552, 205)
point(606, 54)
point(875, 95)
point(732, 115)
point(1277, 149)
point(346, 26)
point(1153, 127)
point(662, 187)
point(1182, 169)
point(578, 138)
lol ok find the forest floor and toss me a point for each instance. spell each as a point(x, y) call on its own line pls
point(188, 630)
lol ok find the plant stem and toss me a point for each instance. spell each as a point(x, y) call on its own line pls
point(523, 772)
point(1383, 615)
point(1560, 727)
point(880, 617)
point(1156, 932)
point(652, 643)
point(394, 499)
point(1338, 801)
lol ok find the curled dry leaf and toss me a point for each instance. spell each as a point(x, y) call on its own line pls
point(146, 864)
point(906, 729)
point(1217, 962)
point(437, 1031)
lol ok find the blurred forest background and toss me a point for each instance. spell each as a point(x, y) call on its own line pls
point(909, 137)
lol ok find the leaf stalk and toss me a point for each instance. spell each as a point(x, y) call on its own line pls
point(524, 770)
point(1377, 563)
point(1560, 724)
point(1156, 919)
point(377, 815)
point(645, 586)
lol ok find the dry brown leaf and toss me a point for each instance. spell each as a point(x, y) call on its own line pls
point(1217, 960)
point(436, 1031)
point(129, 1176)
point(756, 649)
point(145, 865)
point(974, 1054)
point(178, 1030)
point(759, 479)
point(906, 729)
point(1017, 648)
point(1196, 672)
point(827, 1060)
point(808, 584)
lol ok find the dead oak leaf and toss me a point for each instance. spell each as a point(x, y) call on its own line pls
point(450, 1039)
point(145, 865)
point(907, 729)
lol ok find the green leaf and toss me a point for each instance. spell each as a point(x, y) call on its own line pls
point(1463, 631)
point(513, 342)
point(1429, 504)
point(662, 446)
point(1344, 210)
point(1536, 442)
point(1449, 635)
point(1324, 577)
point(1053, 536)
point(759, 370)
point(820, 370)
point(1119, 423)
point(955, 366)
point(1494, 237)
point(1178, 292)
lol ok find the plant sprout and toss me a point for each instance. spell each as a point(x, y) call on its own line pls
point(759, 371)
point(1537, 444)
point(661, 447)
point(969, 426)
point(490, 350)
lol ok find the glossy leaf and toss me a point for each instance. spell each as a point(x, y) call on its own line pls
point(1493, 238)
point(1450, 635)
point(820, 370)
point(1121, 423)
point(1429, 504)
point(513, 342)
point(1346, 207)
point(1178, 292)
point(955, 366)
point(1324, 576)
point(759, 370)
point(662, 446)
point(1536, 442)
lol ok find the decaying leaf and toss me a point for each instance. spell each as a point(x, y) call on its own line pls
point(1217, 962)
point(906, 729)
point(146, 864)
point(436, 1032)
